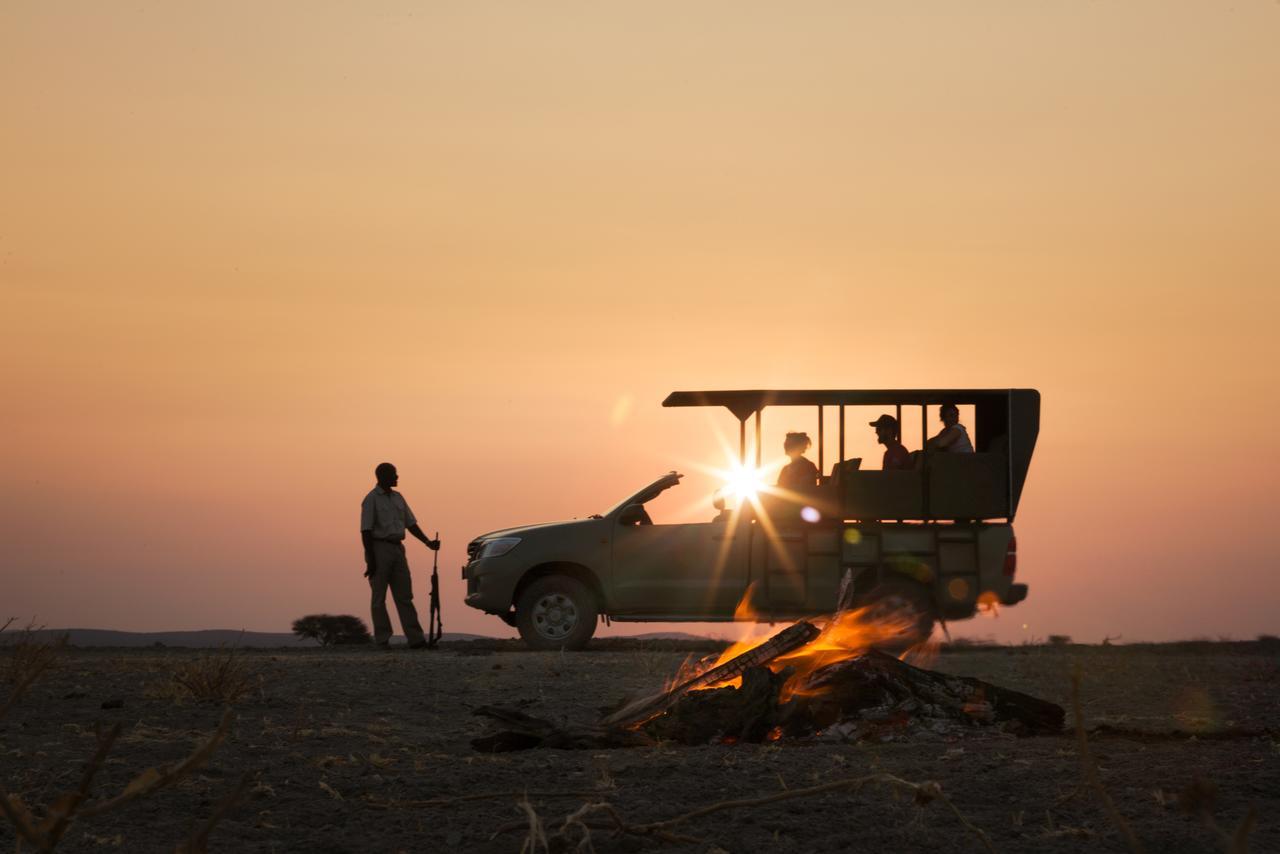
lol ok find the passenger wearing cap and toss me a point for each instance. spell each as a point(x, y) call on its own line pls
point(896, 457)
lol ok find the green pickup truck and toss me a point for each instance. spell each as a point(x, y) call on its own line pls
point(934, 540)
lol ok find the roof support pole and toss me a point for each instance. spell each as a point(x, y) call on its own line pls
point(1008, 451)
point(759, 448)
point(842, 432)
point(821, 467)
point(899, 422)
point(924, 441)
point(742, 442)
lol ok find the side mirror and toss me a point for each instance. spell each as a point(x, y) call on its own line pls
point(631, 515)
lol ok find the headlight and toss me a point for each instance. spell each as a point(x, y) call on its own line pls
point(499, 547)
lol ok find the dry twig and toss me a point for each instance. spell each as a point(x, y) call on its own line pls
point(535, 835)
point(1089, 769)
point(663, 830)
point(154, 779)
point(198, 843)
point(1200, 798)
point(481, 796)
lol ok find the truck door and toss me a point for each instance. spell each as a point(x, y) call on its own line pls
point(688, 570)
point(796, 567)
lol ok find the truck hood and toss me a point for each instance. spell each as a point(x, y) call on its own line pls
point(529, 529)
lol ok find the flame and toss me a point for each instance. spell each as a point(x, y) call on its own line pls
point(752, 634)
point(845, 635)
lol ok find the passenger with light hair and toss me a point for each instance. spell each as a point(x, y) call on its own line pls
point(953, 438)
point(800, 474)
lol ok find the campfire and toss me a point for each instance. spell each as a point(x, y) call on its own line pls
point(825, 678)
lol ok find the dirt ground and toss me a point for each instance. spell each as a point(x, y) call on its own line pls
point(336, 740)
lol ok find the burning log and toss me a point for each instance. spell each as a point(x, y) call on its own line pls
point(872, 696)
point(746, 713)
point(787, 640)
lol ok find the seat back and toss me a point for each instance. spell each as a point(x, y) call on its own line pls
point(968, 486)
point(883, 494)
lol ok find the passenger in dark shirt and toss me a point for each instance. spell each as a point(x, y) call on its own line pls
point(800, 474)
point(895, 455)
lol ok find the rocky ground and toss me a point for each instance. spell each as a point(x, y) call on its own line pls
point(355, 750)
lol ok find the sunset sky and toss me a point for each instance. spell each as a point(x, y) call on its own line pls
point(248, 251)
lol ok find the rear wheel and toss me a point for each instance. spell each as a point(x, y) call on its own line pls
point(905, 604)
point(557, 612)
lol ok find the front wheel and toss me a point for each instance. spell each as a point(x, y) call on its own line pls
point(556, 612)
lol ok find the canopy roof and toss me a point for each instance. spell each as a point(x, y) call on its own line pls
point(745, 402)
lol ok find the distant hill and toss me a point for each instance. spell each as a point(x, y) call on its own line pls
point(204, 638)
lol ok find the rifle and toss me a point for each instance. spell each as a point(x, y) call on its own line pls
point(435, 626)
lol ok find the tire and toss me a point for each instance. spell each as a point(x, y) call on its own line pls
point(896, 597)
point(557, 612)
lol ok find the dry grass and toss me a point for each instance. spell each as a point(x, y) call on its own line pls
point(44, 828)
point(26, 656)
point(1198, 799)
point(219, 677)
point(573, 831)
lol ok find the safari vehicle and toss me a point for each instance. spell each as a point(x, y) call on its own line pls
point(935, 541)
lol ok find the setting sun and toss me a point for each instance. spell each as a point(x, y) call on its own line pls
point(743, 482)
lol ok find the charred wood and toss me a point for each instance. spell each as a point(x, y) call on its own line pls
point(525, 732)
point(747, 713)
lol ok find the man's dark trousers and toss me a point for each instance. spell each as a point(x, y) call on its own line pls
point(391, 569)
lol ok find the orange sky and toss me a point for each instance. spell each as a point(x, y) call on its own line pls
point(247, 251)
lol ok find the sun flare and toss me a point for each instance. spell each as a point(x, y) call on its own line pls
point(743, 482)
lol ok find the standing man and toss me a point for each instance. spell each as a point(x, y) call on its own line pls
point(384, 518)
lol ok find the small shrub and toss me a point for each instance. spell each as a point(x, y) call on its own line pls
point(221, 677)
point(329, 629)
point(1059, 640)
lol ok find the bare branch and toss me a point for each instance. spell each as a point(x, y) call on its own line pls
point(63, 810)
point(154, 779)
point(1089, 768)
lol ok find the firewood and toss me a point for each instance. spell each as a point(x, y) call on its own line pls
point(524, 732)
point(787, 640)
point(874, 681)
